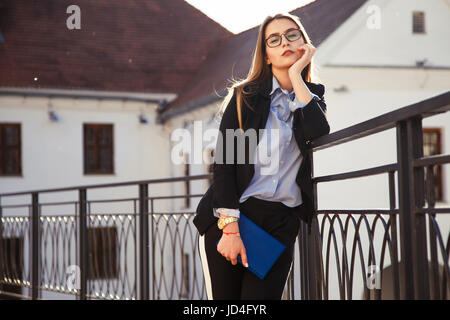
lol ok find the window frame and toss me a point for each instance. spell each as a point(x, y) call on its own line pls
point(97, 146)
point(4, 148)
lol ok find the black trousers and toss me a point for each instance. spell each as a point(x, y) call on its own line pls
point(225, 281)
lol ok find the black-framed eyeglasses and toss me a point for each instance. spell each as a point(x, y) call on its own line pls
point(290, 35)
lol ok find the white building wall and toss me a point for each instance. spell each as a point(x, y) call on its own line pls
point(52, 152)
point(380, 33)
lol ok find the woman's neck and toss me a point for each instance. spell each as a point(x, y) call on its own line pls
point(283, 79)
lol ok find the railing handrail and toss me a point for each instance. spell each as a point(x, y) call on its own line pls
point(114, 184)
point(425, 108)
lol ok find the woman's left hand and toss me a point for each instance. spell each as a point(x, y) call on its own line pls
point(306, 51)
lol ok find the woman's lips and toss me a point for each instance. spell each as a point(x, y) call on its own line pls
point(288, 53)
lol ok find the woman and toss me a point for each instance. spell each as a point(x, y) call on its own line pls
point(277, 96)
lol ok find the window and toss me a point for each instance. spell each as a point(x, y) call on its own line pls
point(12, 267)
point(10, 146)
point(432, 146)
point(103, 253)
point(418, 22)
point(98, 148)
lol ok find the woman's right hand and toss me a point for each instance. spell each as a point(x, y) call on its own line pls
point(230, 245)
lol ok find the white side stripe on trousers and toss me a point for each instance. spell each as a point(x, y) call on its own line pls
point(206, 275)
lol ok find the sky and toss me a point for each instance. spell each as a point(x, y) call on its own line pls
point(239, 15)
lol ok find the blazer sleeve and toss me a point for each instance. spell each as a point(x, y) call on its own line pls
point(313, 116)
point(224, 174)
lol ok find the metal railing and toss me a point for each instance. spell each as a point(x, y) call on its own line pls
point(403, 232)
point(146, 257)
point(88, 252)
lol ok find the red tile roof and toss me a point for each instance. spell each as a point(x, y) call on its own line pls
point(232, 57)
point(126, 45)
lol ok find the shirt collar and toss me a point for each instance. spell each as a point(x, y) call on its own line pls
point(276, 85)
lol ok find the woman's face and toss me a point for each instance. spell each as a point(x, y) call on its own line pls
point(275, 55)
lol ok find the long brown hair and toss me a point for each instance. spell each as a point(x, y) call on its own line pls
point(259, 69)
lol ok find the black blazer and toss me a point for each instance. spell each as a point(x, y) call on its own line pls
point(231, 180)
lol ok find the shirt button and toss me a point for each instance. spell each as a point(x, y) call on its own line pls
point(274, 181)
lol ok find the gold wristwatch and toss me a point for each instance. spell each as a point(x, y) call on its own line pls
point(222, 222)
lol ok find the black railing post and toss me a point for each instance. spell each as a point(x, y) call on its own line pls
point(412, 224)
point(420, 236)
point(152, 228)
point(314, 253)
point(395, 262)
point(35, 246)
point(405, 209)
point(434, 292)
point(306, 280)
point(2, 257)
point(143, 242)
point(83, 244)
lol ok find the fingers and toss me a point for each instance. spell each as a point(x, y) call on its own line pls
point(231, 255)
point(306, 52)
point(312, 50)
point(244, 257)
point(309, 52)
point(224, 254)
point(309, 49)
point(233, 259)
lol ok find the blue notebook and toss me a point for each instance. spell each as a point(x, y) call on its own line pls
point(262, 249)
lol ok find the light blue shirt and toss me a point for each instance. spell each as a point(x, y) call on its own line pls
point(275, 171)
